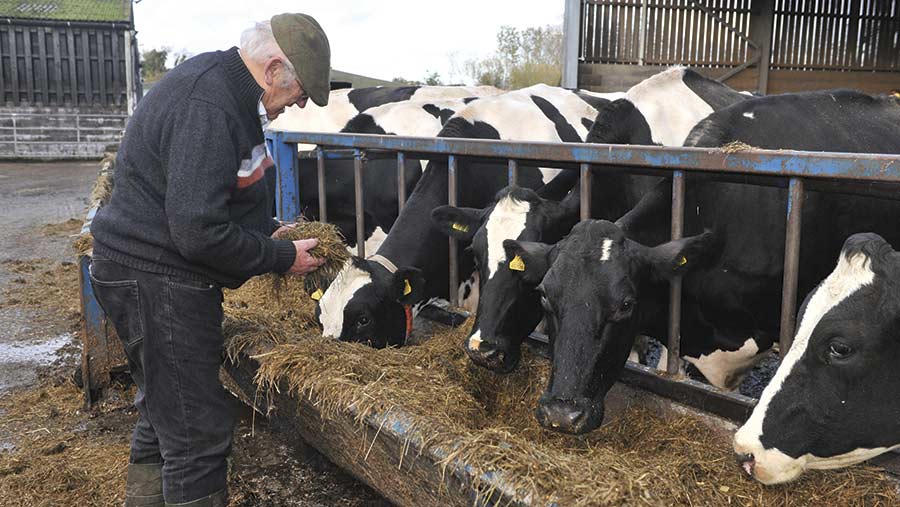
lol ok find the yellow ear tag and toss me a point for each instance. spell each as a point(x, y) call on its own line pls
point(682, 261)
point(460, 227)
point(317, 295)
point(407, 289)
point(517, 264)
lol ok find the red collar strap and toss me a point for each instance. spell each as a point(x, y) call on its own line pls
point(407, 309)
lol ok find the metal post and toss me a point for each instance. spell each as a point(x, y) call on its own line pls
point(796, 196)
point(401, 181)
point(674, 344)
point(762, 16)
point(571, 35)
point(129, 71)
point(513, 172)
point(454, 261)
point(358, 161)
point(320, 169)
point(288, 166)
point(585, 191)
point(642, 34)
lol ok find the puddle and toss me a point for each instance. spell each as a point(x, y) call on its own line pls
point(19, 362)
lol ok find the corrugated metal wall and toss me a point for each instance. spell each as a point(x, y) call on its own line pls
point(62, 66)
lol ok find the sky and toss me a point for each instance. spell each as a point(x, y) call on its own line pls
point(382, 39)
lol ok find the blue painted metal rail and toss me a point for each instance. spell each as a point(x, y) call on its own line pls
point(875, 174)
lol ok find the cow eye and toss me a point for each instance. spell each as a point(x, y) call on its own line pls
point(627, 305)
point(839, 350)
point(363, 321)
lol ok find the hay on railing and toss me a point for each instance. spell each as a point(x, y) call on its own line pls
point(486, 421)
point(737, 147)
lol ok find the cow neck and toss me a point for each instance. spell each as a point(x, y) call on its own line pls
point(413, 241)
point(407, 309)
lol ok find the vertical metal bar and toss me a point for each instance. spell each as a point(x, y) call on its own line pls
point(129, 72)
point(674, 343)
point(401, 181)
point(451, 200)
point(571, 23)
point(513, 172)
point(585, 191)
point(285, 155)
point(358, 161)
point(796, 196)
point(642, 33)
point(320, 171)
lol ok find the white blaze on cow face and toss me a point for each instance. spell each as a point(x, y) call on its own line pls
point(336, 297)
point(724, 368)
point(605, 250)
point(771, 465)
point(507, 221)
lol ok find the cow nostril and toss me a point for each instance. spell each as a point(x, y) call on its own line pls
point(747, 462)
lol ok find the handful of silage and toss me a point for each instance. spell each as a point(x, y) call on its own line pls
point(331, 247)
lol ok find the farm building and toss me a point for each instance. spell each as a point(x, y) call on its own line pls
point(69, 76)
point(766, 46)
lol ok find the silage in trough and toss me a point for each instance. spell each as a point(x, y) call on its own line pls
point(487, 421)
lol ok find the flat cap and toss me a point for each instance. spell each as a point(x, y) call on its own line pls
point(306, 46)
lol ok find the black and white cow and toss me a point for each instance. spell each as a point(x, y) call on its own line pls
point(363, 303)
point(346, 103)
point(835, 399)
point(731, 261)
point(661, 109)
point(408, 118)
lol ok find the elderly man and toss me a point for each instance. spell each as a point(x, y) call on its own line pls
point(190, 214)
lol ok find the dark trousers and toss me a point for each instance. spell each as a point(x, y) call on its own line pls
point(172, 332)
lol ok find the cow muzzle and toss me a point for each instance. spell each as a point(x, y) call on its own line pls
point(569, 416)
point(499, 357)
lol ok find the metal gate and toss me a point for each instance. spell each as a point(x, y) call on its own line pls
point(842, 172)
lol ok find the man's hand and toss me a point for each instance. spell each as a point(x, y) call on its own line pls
point(304, 262)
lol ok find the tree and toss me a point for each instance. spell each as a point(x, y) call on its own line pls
point(432, 78)
point(153, 64)
point(522, 58)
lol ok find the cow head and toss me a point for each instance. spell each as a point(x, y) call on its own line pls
point(591, 286)
point(834, 400)
point(368, 303)
point(508, 304)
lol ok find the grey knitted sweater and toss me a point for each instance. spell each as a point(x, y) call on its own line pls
point(191, 196)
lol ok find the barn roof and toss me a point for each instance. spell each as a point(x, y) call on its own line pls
point(67, 10)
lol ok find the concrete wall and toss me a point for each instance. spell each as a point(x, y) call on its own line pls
point(58, 133)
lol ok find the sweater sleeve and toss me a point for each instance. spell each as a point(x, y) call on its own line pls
point(202, 172)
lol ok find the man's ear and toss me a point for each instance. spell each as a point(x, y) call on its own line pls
point(528, 259)
point(458, 223)
point(408, 286)
point(679, 257)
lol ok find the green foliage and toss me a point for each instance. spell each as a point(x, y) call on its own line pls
point(153, 64)
point(432, 78)
point(522, 58)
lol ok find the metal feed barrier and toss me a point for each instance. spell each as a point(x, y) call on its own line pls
point(852, 173)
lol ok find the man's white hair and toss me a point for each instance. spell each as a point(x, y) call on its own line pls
point(258, 44)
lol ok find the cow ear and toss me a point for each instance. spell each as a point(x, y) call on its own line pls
point(528, 259)
point(458, 223)
point(680, 256)
point(408, 286)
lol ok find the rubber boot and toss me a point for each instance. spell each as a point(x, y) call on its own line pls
point(143, 486)
point(217, 499)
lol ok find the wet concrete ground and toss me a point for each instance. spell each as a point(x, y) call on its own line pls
point(36, 349)
point(33, 195)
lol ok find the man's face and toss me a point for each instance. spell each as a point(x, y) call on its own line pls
point(276, 97)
